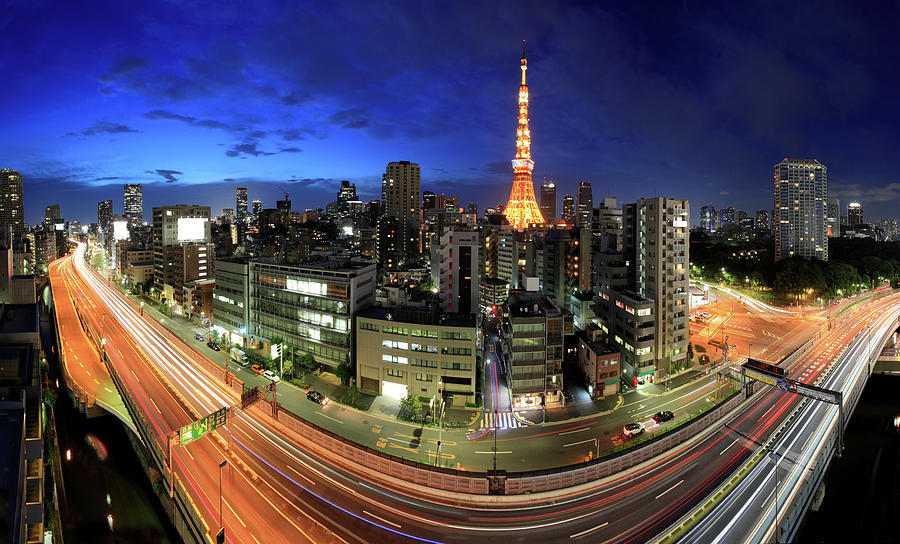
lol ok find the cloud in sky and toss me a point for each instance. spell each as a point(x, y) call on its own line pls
point(634, 100)
point(167, 175)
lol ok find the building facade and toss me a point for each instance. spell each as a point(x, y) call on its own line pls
point(416, 351)
point(568, 210)
point(310, 307)
point(598, 363)
point(134, 204)
point(400, 194)
point(548, 202)
point(240, 205)
point(231, 299)
point(585, 205)
point(801, 187)
point(454, 270)
point(12, 207)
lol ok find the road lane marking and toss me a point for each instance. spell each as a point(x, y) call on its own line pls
point(155, 406)
point(381, 519)
point(302, 476)
point(576, 443)
point(489, 452)
point(329, 417)
point(589, 531)
point(729, 445)
point(670, 489)
point(88, 372)
point(237, 517)
point(575, 431)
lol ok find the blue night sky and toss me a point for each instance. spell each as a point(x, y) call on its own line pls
point(692, 100)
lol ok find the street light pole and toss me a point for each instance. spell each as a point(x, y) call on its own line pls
point(775, 520)
point(221, 521)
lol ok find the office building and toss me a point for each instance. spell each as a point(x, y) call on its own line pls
point(854, 214)
point(493, 292)
point(12, 207)
point(256, 209)
point(104, 216)
point(762, 220)
point(310, 307)
point(284, 206)
point(708, 217)
point(833, 217)
point(416, 351)
point(566, 259)
point(584, 206)
point(598, 363)
point(454, 270)
point(240, 205)
point(642, 294)
point(134, 204)
point(429, 200)
point(533, 332)
point(21, 425)
point(801, 187)
point(172, 228)
point(568, 210)
point(548, 202)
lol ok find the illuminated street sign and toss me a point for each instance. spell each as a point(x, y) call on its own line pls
point(202, 426)
point(765, 367)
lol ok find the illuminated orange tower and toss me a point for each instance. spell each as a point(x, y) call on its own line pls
point(522, 208)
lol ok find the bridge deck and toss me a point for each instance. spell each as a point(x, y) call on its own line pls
point(85, 373)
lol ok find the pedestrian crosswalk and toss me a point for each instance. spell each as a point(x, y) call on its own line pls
point(505, 420)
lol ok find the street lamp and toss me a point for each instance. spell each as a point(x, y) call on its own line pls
point(221, 522)
point(774, 458)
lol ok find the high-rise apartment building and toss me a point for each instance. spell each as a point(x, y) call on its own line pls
point(52, 214)
point(854, 214)
point(240, 205)
point(174, 227)
point(256, 210)
point(548, 202)
point(584, 206)
point(400, 193)
point(134, 204)
point(568, 210)
point(12, 210)
point(801, 187)
point(104, 216)
point(643, 295)
point(454, 270)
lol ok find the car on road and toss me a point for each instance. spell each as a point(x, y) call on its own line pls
point(633, 429)
point(315, 396)
point(213, 346)
point(661, 417)
point(256, 369)
point(199, 336)
point(271, 375)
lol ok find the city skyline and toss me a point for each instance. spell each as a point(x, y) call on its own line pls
point(135, 110)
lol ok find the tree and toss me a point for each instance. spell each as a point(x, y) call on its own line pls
point(410, 408)
point(351, 397)
point(690, 352)
point(305, 363)
point(343, 373)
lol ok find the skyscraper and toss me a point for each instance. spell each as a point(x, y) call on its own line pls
point(568, 211)
point(854, 214)
point(522, 209)
point(548, 201)
point(708, 217)
point(104, 216)
point(12, 211)
point(762, 220)
point(134, 204)
point(801, 187)
point(400, 193)
point(429, 200)
point(585, 206)
point(52, 214)
point(256, 209)
point(240, 207)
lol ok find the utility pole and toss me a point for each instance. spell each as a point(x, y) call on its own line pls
point(220, 536)
point(775, 521)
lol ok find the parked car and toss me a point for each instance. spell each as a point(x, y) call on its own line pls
point(640, 380)
point(213, 346)
point(199, 336)
point(257, 369)
point(315, 396)
point(633, 429)
point(271, 375)
point(661, 417)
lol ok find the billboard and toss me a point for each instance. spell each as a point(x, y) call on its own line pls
point(192, 229)
point(120, 230)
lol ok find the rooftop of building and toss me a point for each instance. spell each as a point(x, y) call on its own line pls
point(496, 282)
point(600, 348)
point(18, 318)
point(530, 304)
point(336, 263)
point(419, 316)
point(583, 296)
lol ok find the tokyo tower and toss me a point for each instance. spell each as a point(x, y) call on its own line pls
point(522, 208)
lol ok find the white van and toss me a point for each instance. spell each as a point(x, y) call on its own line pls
point(238, 356)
